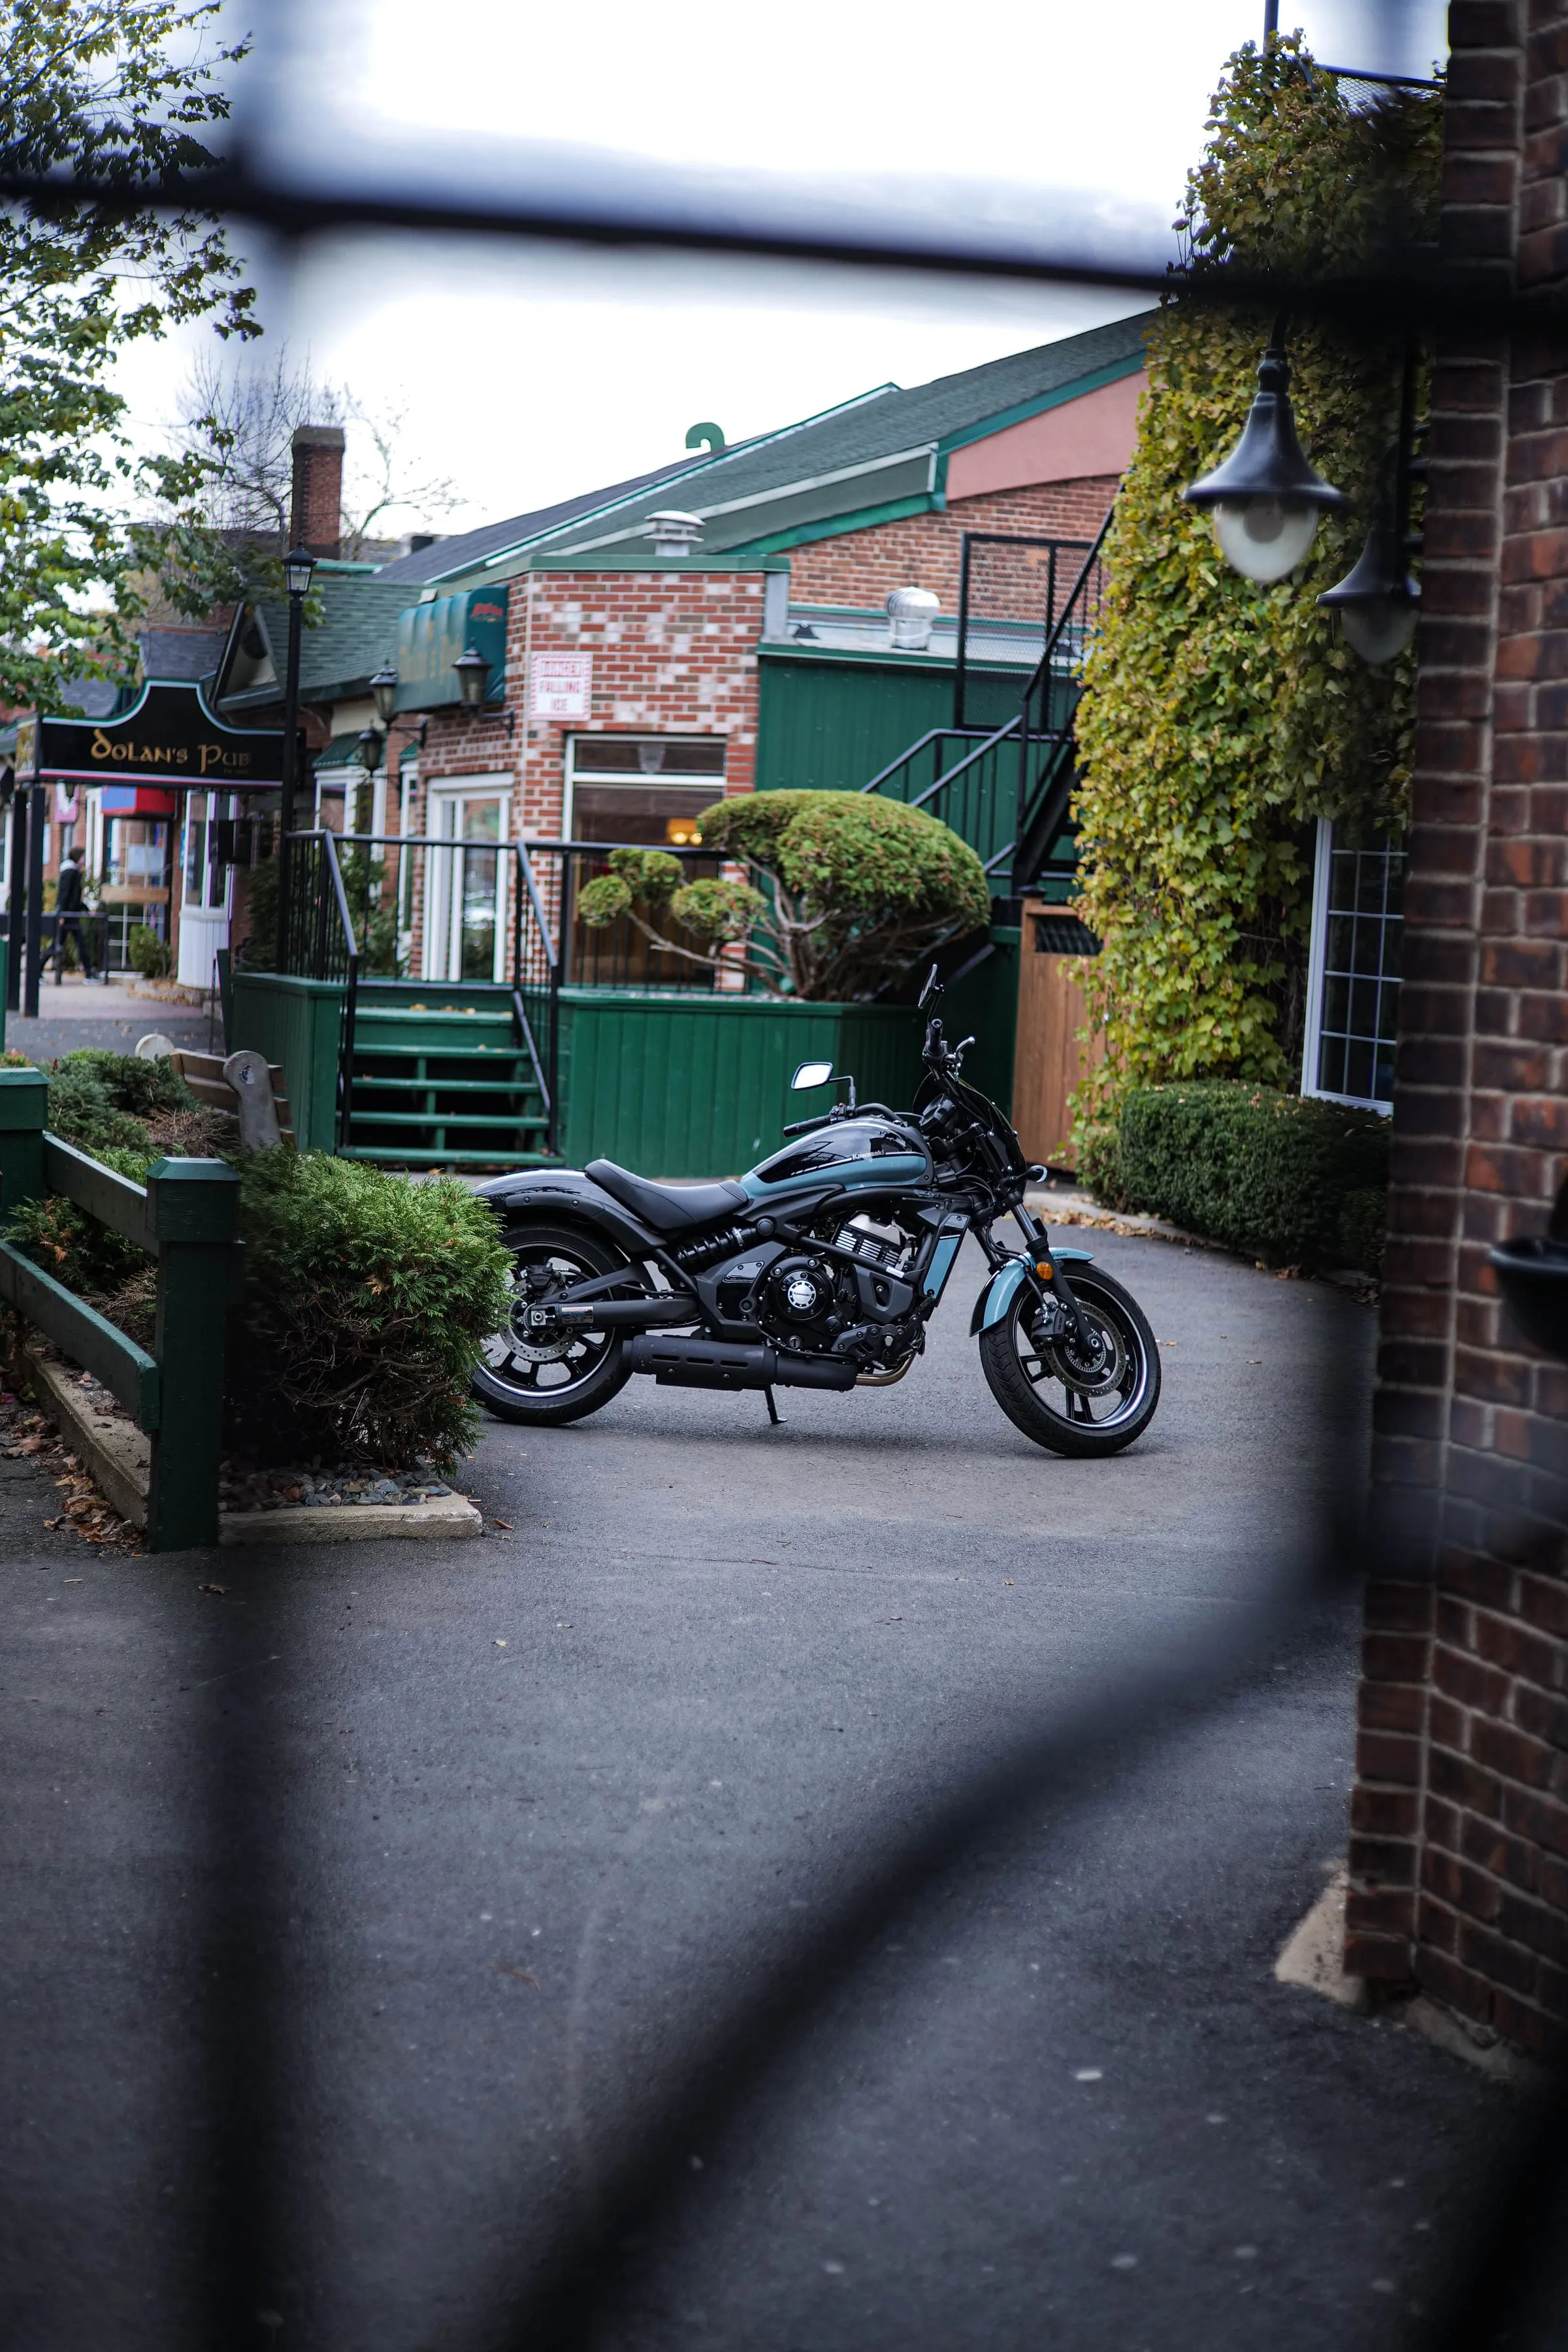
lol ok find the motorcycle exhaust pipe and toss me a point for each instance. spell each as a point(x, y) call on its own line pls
point(641, 1313)
point(726, 1364)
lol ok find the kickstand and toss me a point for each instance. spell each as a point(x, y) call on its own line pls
point(772, 1410)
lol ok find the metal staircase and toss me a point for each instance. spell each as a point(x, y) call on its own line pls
point(1007, 792)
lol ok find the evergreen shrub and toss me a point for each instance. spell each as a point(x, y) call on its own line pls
point(1278, 1175)
point(366, 1298)
point(151, 956)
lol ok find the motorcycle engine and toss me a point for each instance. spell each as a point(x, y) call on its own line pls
point(799, 1306)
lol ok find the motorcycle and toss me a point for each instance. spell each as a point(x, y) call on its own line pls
point(820, 1269)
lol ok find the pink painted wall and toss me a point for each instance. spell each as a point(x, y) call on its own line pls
point(1093, 435)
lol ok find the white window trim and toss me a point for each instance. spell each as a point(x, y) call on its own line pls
point(1317, 959)
point(665, 775)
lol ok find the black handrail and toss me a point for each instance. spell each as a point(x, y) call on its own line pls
point(1027, 818)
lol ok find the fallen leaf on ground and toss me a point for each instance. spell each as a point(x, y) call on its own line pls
point(212, 1588)
point(526, 1976)
point(502, 1523)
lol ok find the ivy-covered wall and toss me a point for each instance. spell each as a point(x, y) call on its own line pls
point(1219, 717)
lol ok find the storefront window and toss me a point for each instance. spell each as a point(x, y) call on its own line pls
point(642, 788)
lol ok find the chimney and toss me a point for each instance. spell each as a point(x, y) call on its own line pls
point(315, 512)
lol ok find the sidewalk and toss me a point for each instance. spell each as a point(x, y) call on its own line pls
point(75, 1012)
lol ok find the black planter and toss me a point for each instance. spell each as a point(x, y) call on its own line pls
point(1533, 1277)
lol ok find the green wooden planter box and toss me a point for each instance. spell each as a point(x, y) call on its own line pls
point(671, 1085)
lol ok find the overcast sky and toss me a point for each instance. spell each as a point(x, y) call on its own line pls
point(527, 373)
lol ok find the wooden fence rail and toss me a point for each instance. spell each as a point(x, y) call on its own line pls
point(186, 1217)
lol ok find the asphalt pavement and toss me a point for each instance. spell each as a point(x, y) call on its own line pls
point(786, 1889)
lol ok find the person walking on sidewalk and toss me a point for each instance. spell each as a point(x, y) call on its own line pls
point(68, 912)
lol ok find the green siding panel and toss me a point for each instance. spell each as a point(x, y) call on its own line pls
point(832, 726)
point(297, 1023)
point(699, 1087)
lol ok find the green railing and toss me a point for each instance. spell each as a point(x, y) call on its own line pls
point(186, 1217)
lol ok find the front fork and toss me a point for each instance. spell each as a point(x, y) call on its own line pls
point(1048, 1278)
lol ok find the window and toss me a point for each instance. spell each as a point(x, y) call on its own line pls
point(642, 788)
point(1352, 979)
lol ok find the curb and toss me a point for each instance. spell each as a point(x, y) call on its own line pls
point(119, 1457)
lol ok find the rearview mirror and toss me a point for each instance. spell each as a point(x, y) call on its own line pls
point(811, 1074)
point(930, 990)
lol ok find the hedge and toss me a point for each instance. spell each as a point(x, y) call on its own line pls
point(1279, 1176)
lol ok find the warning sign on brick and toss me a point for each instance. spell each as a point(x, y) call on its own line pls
point(560, 685)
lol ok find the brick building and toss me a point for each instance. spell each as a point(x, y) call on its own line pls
point(721, 625)
point(1460, 1847)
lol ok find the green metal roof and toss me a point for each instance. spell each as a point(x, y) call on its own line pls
point(840, 470)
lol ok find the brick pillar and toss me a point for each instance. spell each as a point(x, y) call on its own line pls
point(1459, 1816)
point(315, 509)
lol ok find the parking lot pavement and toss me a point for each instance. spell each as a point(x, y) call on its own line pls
point(398, 1889)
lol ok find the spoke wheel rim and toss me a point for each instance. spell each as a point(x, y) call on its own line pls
point(1107, 1410)
point(516, 1364)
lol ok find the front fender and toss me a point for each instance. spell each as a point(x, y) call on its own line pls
point(999, 1293)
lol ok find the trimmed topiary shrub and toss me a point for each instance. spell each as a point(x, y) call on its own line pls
point(366, 1299)
point(860, 890)
point(1279, 1176)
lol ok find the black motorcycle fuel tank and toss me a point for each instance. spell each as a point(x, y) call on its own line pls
point(867, 1154)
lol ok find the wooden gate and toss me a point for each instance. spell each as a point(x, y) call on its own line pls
point(1049, 1058)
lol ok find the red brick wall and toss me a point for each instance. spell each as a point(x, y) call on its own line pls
point(674, 653)
point(922, 551)
point(1460, 1846)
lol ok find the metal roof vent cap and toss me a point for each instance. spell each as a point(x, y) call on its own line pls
point(674, 533)
point(910, 613)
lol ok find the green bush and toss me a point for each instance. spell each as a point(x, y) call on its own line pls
point(1279, 1176)
point(152, 956)
point(366, 1299)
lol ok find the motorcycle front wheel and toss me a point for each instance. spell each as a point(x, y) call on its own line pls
point(518, 1376)
point(1086, 1406)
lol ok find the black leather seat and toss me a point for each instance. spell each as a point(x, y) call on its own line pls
point(668, 1208)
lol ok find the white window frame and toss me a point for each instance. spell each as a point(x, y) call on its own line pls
point(665, 775)
point(1317, 963)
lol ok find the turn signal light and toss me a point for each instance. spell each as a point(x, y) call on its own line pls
point(1045, 1268)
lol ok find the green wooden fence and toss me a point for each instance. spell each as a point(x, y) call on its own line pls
point(186, 1217)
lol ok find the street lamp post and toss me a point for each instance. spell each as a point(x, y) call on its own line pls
point(298, 566)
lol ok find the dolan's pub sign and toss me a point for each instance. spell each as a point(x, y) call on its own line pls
point(168, 737)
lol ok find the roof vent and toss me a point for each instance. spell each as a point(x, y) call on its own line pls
point(674, 533)
point(910, 612)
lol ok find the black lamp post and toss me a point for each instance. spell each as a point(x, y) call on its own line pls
point(1266, 499)
point(298, 565)
point(371, 746)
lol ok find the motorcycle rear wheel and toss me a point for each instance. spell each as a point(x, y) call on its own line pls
point(1090, 1412)
point(546, 1388)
